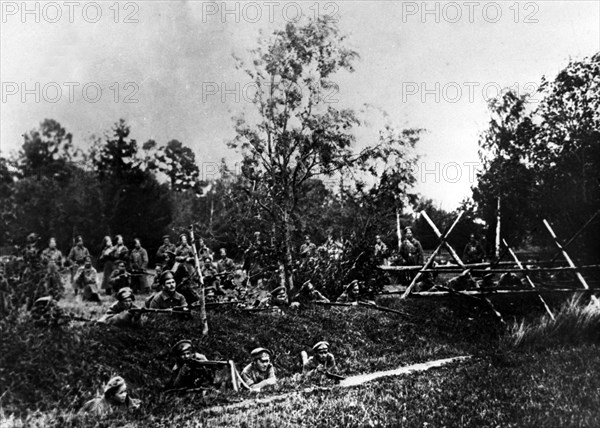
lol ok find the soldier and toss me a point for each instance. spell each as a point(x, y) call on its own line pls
point(115, 398)
point(45, 311)
point(166, 247)
point(158, 270)
point(350, 294)
point(184, 373)
point(121, 251)
point(308, 293)
point(31, 254)
point(107, 260)
point(320, 363)
point(52, 258)
point(139, 263)
point(119, 313)
point(279, 296)
point(77, 257)
point(308, 249)
point(381, 251)
point(120, 278)
point(474, 252)
point(86, 280)
point(184, 254)
point(167, 298)
point(203, 250)
point(411, 249)
point(253, 261)
point(260, 373)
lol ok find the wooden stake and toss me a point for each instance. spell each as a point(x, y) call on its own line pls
point(432, 257)
point(569, 261)
point(518, 262)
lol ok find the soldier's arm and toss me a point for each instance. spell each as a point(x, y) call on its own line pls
point(270, 380)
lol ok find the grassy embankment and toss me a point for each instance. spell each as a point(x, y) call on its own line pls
point(56, 370)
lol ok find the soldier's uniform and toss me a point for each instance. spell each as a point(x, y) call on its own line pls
point(308, 293)
point(77, 257)
point(107, 259)
point(52, 258)
point(350, 293)
point(118, 313)
point(474, 252)
point(184, 373)
point(46, 312)
point(162, 300)
point(86, 280)
point(121, 254)
point(185, 255)
point(251, 373)
point(411, 251)
point(119, 279)
point(139, 264)
point(106, 404)
point(321, 361)
point(166, 247)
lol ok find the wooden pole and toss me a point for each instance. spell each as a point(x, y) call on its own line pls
point(577, 234)
point(201, 302)
point(398, 229)
point(569, 261)
point(439, 235)
point(432, 257)
point(518, 262)
point(498, 220)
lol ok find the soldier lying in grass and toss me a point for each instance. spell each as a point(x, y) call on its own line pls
point(185, 374)
point(260, 373)
point(119, 313)
point(320, 364)
point(115, 398)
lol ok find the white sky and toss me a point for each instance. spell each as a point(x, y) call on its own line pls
point(178, 51)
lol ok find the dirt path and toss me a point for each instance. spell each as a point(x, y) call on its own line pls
point(346, 383)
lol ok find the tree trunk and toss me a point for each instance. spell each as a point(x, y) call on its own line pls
point(288, 262)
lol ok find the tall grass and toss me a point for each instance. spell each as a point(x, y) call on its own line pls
point(574, 323)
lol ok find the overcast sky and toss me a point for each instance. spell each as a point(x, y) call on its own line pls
point(430, 69)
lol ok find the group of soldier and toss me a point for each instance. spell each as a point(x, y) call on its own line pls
point(192, 371)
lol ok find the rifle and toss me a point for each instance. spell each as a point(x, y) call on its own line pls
point(178, 310)
point(333, 376)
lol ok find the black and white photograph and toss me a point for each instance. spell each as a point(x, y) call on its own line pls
point(299, 213)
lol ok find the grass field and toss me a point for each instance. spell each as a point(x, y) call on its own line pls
point(47, 374)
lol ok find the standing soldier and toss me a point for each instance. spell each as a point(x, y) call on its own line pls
point(120, 278)
point(139, 263)
point(203, 250)
point(260, 373)
point(121, 251)
point(184, 255)
point(474, 252)
point(381, 251)
point(77, 257)
point(52, 258)
point(253, 260)
point(107, 260)
point(411, 249)
point(86, 280)
point(307, 250)
point(166, 247)
point(226, 268)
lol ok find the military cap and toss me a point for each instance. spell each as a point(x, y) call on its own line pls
point(182, 345)
point(166, 275)
point(124, 293)
point(114, 382)
point(183, 234)
point(321, 345)
point(255, 353)
point(32, 237)
point(166, 237)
